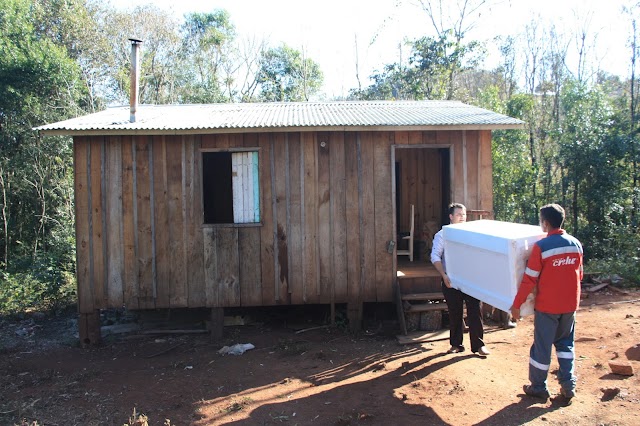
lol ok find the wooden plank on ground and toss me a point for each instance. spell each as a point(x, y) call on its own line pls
point(595, 288)
point(423, 337)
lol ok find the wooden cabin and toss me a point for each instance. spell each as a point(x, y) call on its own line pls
point(238, 205)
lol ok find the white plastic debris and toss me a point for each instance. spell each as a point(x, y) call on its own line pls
point(237, 349)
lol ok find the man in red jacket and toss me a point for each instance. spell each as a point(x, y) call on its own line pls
point(554, 269)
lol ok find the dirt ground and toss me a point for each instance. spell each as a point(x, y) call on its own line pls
point(306, 374)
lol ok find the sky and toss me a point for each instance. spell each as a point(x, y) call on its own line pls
point(329, 30)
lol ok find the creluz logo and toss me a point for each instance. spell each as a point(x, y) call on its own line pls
point(565, 261)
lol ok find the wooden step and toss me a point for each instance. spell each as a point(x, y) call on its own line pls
point(406, 273)
point(426, 307)
point(423, 296)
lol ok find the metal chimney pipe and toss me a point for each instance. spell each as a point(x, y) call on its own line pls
point(135, 65)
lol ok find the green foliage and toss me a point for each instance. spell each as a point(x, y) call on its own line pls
point(619, 254)
point(39, 83)
point(513, 173)
point(433, 71)
point(61, 58)
point(39, 286)
point(206, 39)
point(387, 85)
point(588, 158)
point(287, 76)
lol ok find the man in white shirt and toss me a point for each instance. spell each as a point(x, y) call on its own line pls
point(455, 298)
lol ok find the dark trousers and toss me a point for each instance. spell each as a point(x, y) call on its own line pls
point(455, 303)
point(553, 330)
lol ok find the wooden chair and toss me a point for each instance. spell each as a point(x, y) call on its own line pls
point(409, 237)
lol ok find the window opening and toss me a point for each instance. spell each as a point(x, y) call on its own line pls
point(230, 187)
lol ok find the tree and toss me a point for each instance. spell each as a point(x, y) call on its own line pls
point(589, 157)
point(634, 112)
point(513, 173)
point(286, 75)
point(160, 62)
point(207, 42)
point(451, 22)
point(39, 83)
point(432, 64)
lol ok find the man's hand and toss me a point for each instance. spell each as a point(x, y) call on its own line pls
point(446, 280)
point(515, 313)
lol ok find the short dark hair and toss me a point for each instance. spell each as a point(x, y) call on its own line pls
point(454, 206)
point(552, 213)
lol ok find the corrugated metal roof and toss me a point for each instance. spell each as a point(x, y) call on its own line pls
point(292, 116)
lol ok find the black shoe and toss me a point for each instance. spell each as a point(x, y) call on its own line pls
point(455, 349)
point(543, 394)
point(565, 398)
point(510, 324)
point(568, 393)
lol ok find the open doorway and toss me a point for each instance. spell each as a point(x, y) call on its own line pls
point(422, 179)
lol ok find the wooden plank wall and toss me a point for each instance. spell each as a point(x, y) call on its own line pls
point(422, 173)
point(326, 217)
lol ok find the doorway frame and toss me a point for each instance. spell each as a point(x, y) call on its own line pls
point(452, 181)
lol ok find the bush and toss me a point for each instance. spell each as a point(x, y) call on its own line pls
point(613, 248)
point(626, 267)
point(39, 289)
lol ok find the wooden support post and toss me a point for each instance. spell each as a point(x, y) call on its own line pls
point(354, 314)
point(217, 323)
point(400, 307)
point(89, 329)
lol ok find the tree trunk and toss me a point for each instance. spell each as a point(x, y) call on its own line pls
point(5, 220)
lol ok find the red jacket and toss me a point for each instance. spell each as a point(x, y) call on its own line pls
point(555, 268)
